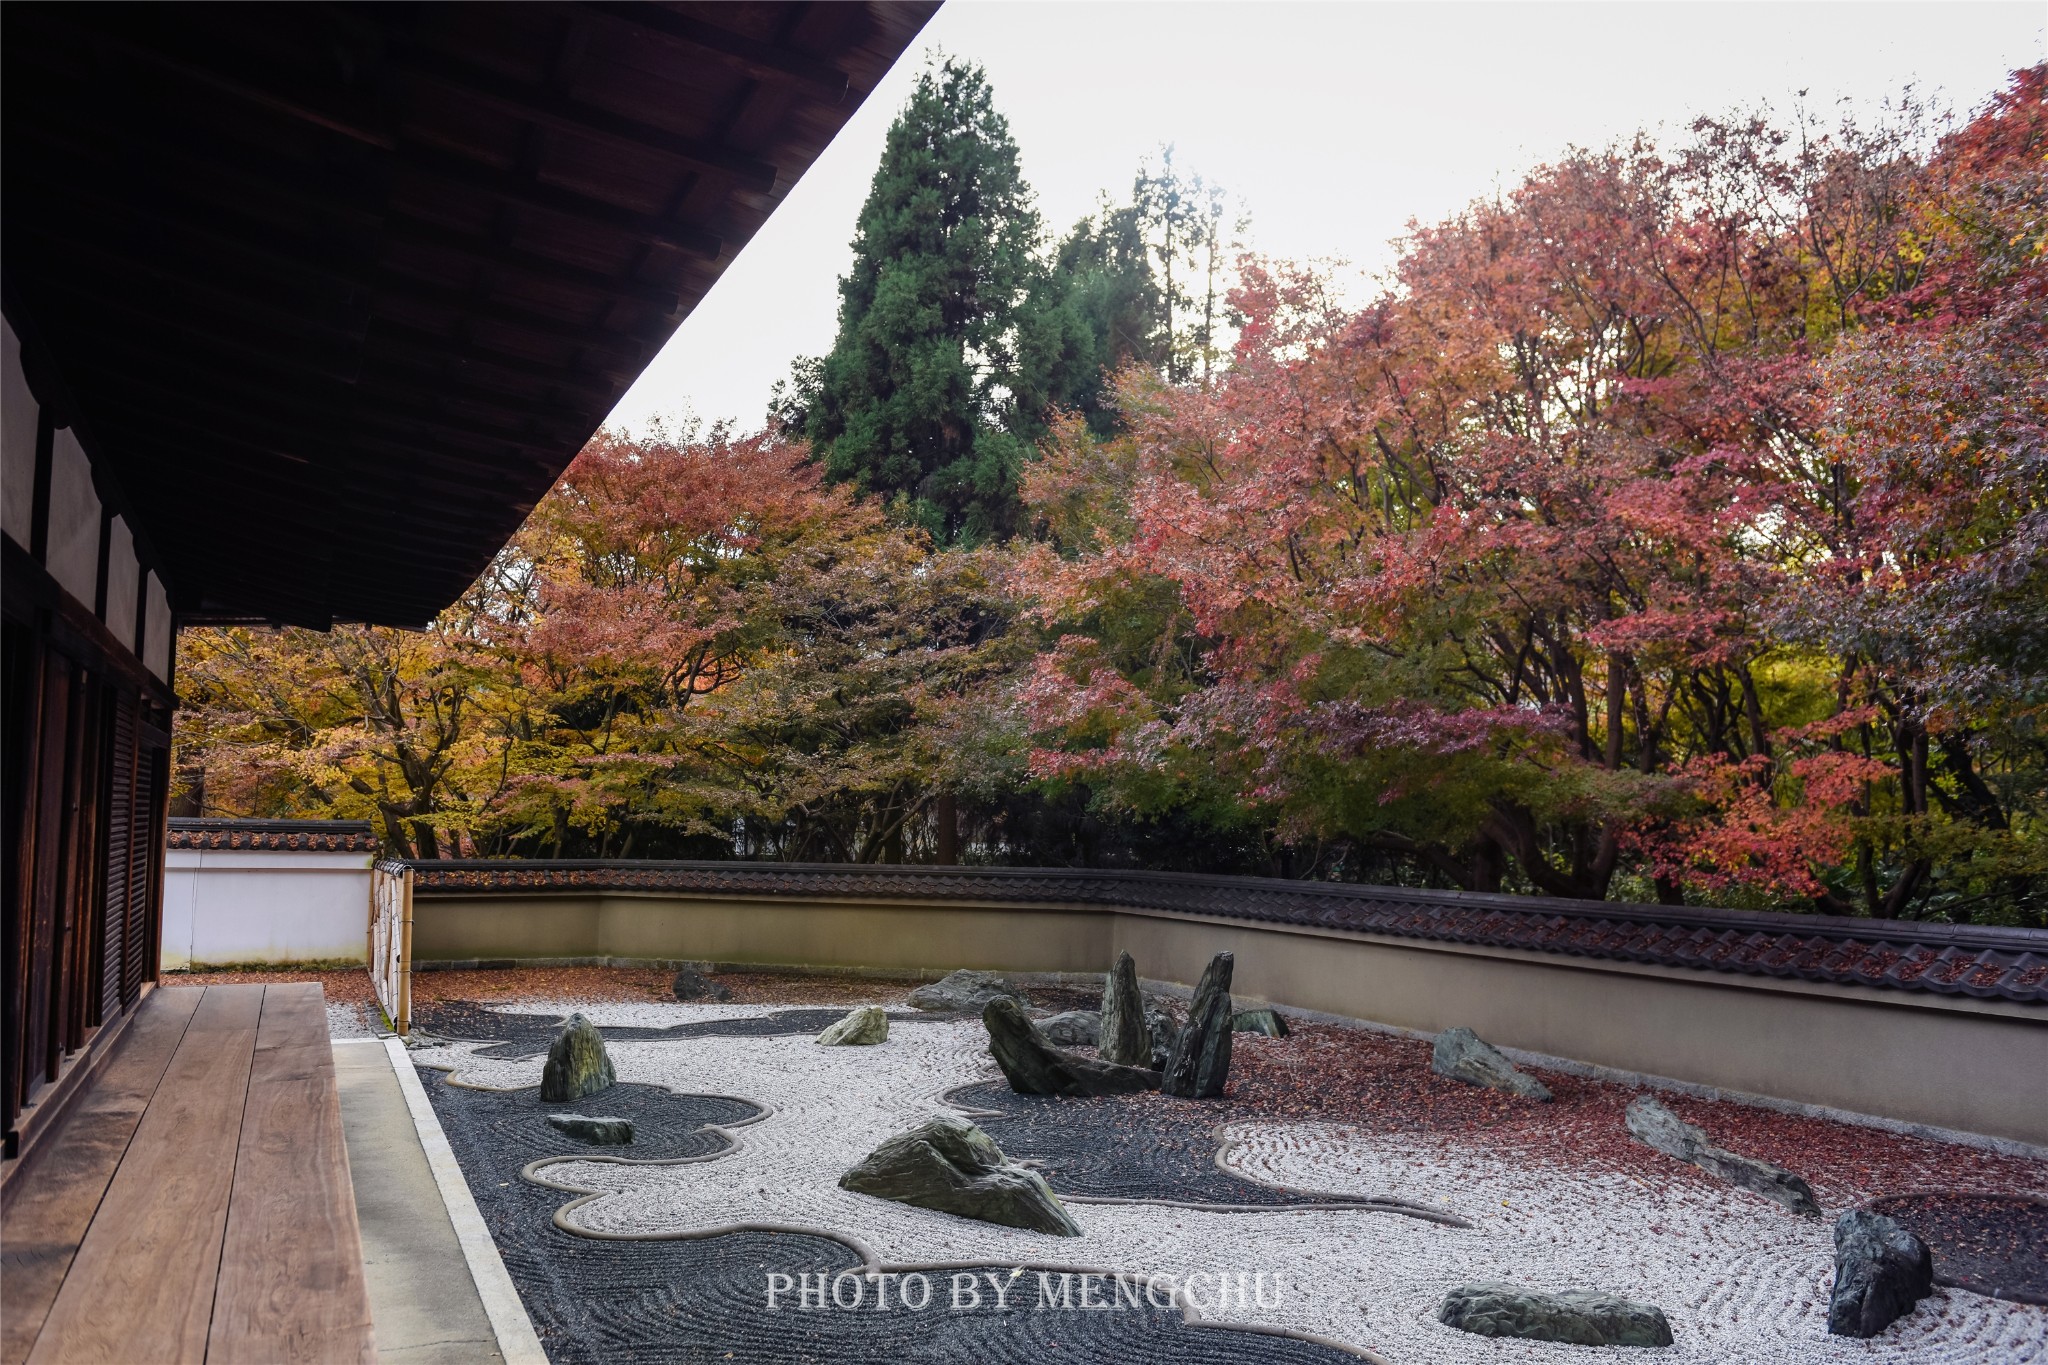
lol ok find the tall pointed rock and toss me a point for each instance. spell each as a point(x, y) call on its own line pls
point(1125, 1038)
point(1200, 1061)
point(577, 1064)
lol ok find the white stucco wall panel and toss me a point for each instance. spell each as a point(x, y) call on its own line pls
point(243, 905)
point(74, 554)
point(123, 576)
point(157, 633)
point(17, 442)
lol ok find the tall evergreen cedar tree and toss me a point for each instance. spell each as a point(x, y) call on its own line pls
point(923, 398)
point(956, 336)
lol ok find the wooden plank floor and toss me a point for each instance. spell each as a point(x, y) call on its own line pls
point(221, 1224)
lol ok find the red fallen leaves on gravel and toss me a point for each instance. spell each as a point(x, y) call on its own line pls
point(1383, 1083)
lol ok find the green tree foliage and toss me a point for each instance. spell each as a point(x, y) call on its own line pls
point(933, 392)
point(959, 334)
point(1098, 310)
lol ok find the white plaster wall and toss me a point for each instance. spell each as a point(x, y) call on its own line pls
point(241, 905)
point(123, 575)
point(156, 632)
point(17, 442)
point(74, 554)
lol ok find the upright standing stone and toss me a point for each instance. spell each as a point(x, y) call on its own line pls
point(1199, 1064)
point(577, 1063)
point(1881, 1272)
point(1125, 1038)
point(1160, 1032)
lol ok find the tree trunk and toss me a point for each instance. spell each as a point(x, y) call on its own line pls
point(946, 819)
point(1617, 697)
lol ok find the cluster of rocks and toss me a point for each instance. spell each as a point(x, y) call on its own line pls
point(578, 1065)
point(1882, 1271)
point(1136, 1045)
point(1035, 1065)
point(950, 1165)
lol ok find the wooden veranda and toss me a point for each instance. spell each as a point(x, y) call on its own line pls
point(195, 1203)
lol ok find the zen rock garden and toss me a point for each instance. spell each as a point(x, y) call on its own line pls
point(984, 1121)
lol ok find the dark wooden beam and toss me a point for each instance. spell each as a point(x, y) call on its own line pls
point(555, 111)
point(442, 164)
point(759, 60)
point(430, 351)
point(450, 168)
point(418, 232)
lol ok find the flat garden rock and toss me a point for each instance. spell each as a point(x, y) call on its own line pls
point(691, 984)
point(1652, 1124)
point(1075, 1028)
point(1464, 1056)
point(577, 1063)
point(1267, 1022)
point(962, 992)
point(950, 1165)
point(1199, 1064)
point(1034, 1066)
point(863, 1027)
point(1582, 1317)
point(1881, 1272)
point(596, 1130)
point(1125, 1035)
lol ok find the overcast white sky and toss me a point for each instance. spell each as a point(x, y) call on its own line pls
point(1336, 123)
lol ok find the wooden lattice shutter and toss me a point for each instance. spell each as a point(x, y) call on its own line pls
point(143, 874)
point(121, 840)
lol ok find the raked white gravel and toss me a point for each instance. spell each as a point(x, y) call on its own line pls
point(1741, 1281)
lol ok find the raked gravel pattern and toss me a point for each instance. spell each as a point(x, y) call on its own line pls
point(1740, 1280)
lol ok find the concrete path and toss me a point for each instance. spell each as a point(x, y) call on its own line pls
point(423, 1300)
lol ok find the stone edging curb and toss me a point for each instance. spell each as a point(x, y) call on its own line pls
point(518, 1343)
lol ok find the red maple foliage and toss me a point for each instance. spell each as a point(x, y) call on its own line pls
point(1673, 514)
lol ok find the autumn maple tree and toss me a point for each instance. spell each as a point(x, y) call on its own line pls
point(1658, 524)
point(1670, 527)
